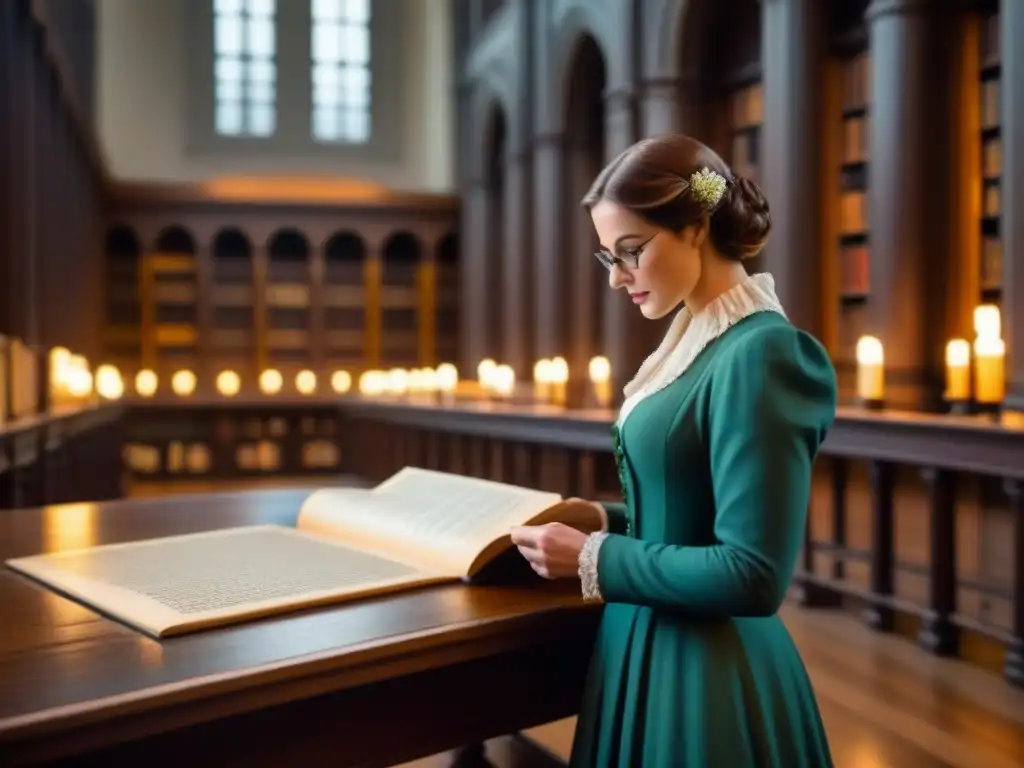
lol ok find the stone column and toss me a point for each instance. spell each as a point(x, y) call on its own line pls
point(628, 336)
point(909, 171)
point(473, 278)
point(518, 313)
point(550, 274)
point(670, 106)
point(792, 152)
point(1012, 222)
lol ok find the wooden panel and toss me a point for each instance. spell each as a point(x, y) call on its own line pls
point(172, 263)
point(344, 295)
point(175, 293)
point(232, 295)
point(175, 335)
point(278, 339)
point(287, 295)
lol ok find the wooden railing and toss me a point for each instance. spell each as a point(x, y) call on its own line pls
point(915, 519)
point(52, 452)
point(61, 457)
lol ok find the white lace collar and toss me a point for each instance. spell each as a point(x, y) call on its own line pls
point(689, 334)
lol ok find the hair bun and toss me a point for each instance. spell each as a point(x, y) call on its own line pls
point(741, 223)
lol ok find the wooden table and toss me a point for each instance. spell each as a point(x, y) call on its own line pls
point(371, 683)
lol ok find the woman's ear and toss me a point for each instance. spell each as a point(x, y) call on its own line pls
point(699, 231)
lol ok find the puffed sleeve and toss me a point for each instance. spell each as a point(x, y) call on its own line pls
point(773, 399)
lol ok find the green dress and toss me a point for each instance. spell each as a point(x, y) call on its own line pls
point(692, 667)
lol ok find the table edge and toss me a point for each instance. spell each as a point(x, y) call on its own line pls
point(334, 669)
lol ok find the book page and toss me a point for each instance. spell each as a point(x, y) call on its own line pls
point(179, 584)
point(440, 521)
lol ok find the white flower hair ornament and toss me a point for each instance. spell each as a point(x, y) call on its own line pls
point(707, 188)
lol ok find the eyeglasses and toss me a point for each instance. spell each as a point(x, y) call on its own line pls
point(629, 258)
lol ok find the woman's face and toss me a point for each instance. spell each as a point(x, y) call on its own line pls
point(657, 267)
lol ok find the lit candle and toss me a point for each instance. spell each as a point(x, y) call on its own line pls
point(987, 321)
point(601, 377)
point(542, 381)
point(989, 370)
point(183, 383)
point(341, 382)
point(146, 383)
point(271, 381)
point(559, 379)
point(503, 380)
point(228, 383)
point(397, 382)
point(446, 379)
point(371, 383)
point(958, 371)
point(870, 371)
point(485, 374)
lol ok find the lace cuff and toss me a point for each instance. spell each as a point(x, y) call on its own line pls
point(588, 566)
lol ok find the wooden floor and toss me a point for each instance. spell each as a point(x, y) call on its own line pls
point(886, 704)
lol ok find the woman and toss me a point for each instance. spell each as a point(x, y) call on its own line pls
point(715, 441)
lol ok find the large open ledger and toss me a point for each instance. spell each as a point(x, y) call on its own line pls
point(416, 528)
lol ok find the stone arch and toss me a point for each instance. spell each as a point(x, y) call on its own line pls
point(345, 255)
point(610, 27)
point(232, 243)
point(488, 97)
point(697, 39)
point(675, 32)
point(232, 252)
point(177, 240)
point(288, 244)
point(122, 243)
point(400, 258)
point(288, 257)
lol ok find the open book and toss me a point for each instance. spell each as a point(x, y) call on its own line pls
point(418, 527)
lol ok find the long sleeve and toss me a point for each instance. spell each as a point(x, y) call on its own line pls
point(773, 398)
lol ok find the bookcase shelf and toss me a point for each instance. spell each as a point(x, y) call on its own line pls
point(232, 297)
point(402, 258)
point(243, 293)
point(992, 160)
point(123, 310)
point(854, 227)
point(345, 298)
point(172, 291)
point(288, 300)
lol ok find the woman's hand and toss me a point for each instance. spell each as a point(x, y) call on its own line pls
point(553, 549)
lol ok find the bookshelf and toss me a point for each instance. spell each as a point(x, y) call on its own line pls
point(122, 332)
point(446, 307)
point(345, 298)
point(854, 253)
point(170, 296)
point(277, 295)
point(992, 160)
point(402, 254)
point(233, 337)
point(853, 241)
point(288, 300)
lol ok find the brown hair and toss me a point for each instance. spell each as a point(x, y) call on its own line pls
point(651, 178)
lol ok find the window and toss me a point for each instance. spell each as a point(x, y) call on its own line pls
point(245, 70)
point(341, 70)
